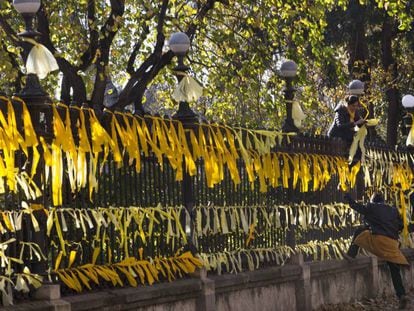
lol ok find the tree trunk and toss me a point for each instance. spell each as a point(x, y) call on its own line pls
point(358, 49)
point(392, 94)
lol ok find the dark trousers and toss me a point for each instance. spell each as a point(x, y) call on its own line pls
point(353, 248)
point(396, 279)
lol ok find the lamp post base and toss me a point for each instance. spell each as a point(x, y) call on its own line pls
point(289, 127)
point(185, 114)
point(139, 110)
point(38, 102)
point(32, 87)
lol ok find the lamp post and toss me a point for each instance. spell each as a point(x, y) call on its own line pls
point(179, 44)
point(32, 88)
point(356, 87)
point(288, 71)
point(36, 99)
point(408, 104)
point(407, 128)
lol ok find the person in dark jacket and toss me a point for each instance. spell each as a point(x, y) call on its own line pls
point(346, 117)
point(381, 237)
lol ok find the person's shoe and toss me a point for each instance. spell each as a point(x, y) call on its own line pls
point(403, 302)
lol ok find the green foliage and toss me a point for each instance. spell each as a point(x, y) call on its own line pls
point(235, 52)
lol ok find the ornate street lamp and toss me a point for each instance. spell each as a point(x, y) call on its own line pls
point(408, 104)
point(28, 9)
point(356, 87)
point(288, 71)
point(179, 44)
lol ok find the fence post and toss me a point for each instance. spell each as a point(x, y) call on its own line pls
point(290, 231)
point(374, 276)
point(303, 287)
point(188, 119)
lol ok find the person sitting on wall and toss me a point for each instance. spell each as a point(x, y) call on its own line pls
point(381, 238)
point(345, 120)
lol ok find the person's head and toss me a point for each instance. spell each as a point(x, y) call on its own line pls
point(377, 197)
point(352, 102)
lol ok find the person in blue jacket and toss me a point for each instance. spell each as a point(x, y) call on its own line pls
point(380, 237)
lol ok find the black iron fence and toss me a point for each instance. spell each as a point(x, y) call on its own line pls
point(116, 199)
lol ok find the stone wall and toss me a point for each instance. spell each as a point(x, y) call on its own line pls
point(295, 286)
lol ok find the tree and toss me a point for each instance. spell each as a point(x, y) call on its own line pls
point(372, 35)
point(236, 47)
point(103, 33)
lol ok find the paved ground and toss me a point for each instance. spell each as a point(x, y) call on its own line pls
point(389, 303)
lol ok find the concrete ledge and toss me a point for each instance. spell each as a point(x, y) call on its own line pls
point(55, 305)
point(300, 286)
point(30, 306)
point(338, 266)
point(48, 292)
point(90, 301)
point(140, 296)
point(258, 278)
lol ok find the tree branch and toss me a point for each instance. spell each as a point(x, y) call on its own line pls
point(10, 33)
point(200, 16)
point(70, 72)
point(136, 86)
point(15, 64)
point(90, 53)
point(108, 31)
point(133, 56)
point(150, 62)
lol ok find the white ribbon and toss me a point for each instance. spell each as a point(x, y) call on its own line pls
point(21, 284)
point(40, 60)
point(359, 139)
point(410, 136)
point(187, 90)
point(5, 289)
point(297, 114)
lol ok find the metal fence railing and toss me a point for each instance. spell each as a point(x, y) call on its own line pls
point(119, 199)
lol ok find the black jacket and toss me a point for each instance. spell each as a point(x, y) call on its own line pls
point(382, 218)
point(342, 126)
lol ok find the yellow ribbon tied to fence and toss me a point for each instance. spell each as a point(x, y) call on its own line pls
point(132, 268)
